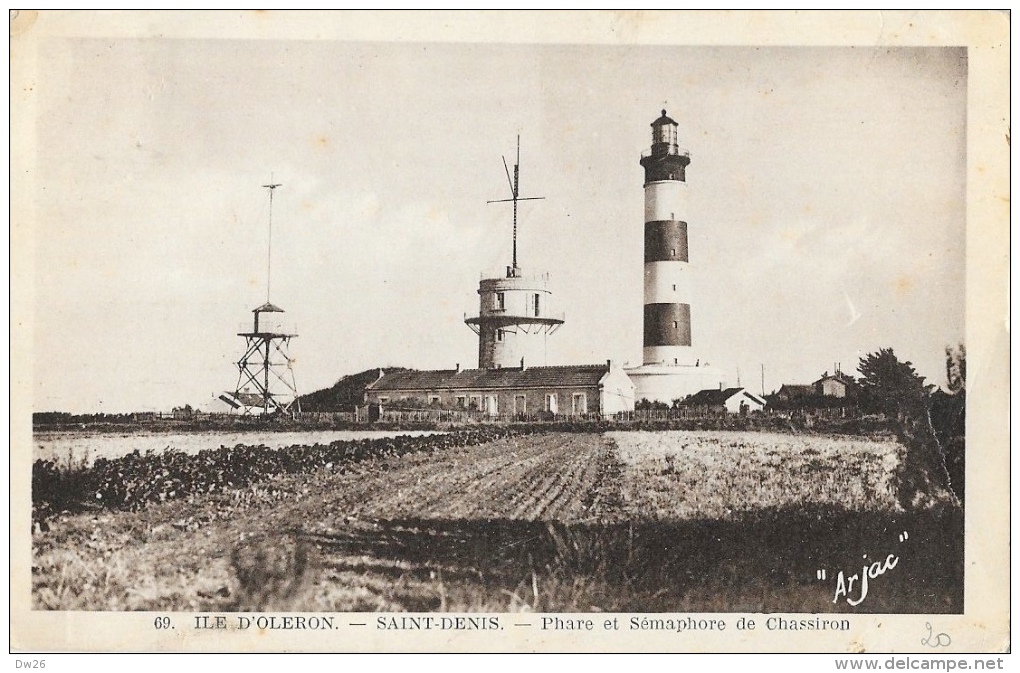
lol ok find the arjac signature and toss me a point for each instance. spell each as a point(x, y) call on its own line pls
point(854, 588)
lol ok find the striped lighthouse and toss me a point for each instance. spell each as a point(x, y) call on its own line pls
point(667, 320)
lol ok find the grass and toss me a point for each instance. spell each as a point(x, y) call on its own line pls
point(712, 474)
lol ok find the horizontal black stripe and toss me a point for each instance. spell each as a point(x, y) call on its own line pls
point(665, 167)
point(665, 240)
point(667, 325)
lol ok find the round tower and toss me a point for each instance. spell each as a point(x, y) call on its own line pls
point(514, 314)
point(668, 295)
point(513, 318)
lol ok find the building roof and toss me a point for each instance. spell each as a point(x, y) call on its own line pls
point(412, 380)
point(757, 398)
point(268, 308)
point(240, 399)
point(838, 376)
point(798, 388)
point(714, 396)
point(564, 376)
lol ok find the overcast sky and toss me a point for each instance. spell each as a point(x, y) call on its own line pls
point(827, 218)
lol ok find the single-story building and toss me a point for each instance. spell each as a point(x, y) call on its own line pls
point(565, 390)
point(732, 400)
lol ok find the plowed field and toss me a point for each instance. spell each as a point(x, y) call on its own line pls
point(541, 477)
point(551, 522)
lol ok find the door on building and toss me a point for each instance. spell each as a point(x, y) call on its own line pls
point(579, 403)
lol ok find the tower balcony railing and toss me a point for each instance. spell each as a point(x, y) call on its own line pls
point(501, 274)
point(674, 150)
point(509, 316)
point(271, 328)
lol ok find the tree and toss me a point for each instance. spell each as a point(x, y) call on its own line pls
point(891, 386)
point(896, 389)
point(948, 413)
point(644, 404)
point(956, 368)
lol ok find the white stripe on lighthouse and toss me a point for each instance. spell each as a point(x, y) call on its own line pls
point(668, 355)
point(668, 283)
point(666, 200)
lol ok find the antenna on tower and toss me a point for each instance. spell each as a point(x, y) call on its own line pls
point(515, 196)
point(269, 254)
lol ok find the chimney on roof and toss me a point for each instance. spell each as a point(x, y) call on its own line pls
point(523, 367)
point(457, 367)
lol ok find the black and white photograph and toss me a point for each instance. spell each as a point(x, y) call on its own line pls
point(579, 331)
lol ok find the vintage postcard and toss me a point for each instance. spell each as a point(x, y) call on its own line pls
point(510, 332)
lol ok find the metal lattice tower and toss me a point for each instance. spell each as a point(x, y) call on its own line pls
point(265, 382)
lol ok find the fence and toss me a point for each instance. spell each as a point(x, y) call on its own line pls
point(426, 415)
point(361, 416)
point(330, 416)
point(681, 413)
point(389, 415)
point(468, 416)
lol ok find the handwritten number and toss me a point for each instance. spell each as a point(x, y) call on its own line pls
point(940, 639)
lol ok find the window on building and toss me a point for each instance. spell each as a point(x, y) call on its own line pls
point(674, 287)
point(383, 400)
point(538, 300)
point(672, 252)
point(500, 335)
point(675, 325)
point(550, 402)
point(579, 403)
point(462, 401)
point(500, 304)
point(491, 405)
point(476, 403)
point(520, 404)
point(434, 400)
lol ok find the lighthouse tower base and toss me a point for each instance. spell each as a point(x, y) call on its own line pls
point(665, 383)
